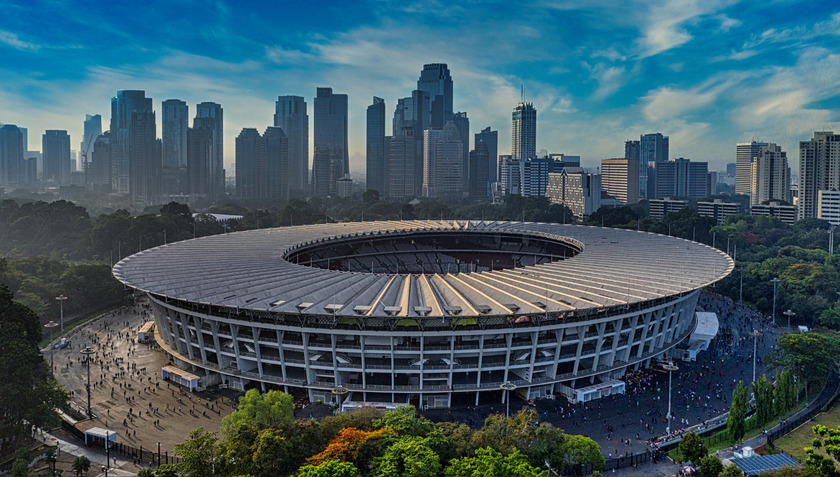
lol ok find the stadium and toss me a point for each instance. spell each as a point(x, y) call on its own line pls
point(436, 313)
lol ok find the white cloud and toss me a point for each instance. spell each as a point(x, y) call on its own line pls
point(10, 39)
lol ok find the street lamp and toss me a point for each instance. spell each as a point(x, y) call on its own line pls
point(340, 391)
point(670, 367)
point(507, 386)
point(741, 291)
point(158, 454)
point(88, 351)
point(51, 325)
point(107, 451)
point(755, 334)
point(788, 314)
point(775, 281)
point(61, 299)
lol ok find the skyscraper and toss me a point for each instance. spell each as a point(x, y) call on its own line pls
point(436, 80)
point(290, 115)
point(679, 178)
point(443, 163)
point(322, 165)
point(770, 175)
point(744, 154)
point(144, 160)
point(620, 179)
point(174, 133)
point(331, 133)
point(819, 169)
point(200, 157)
point(56, 153)
point(127, 108)
point(217, 170)
point(524, 140)
point(247, 150)
point(462, 123)
point(653, 149)
point(376, 170)
point(401, 158)
point(99, 176)
point(11, 155)
point(273, 159)
point(92, 130)
point(491, 140)
point(479, 171)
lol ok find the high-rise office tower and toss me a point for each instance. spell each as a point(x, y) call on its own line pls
point(331, 134)
point(376, 170)
point(491, 141)
point(217, 172)
point(575, 188)
point(11, 155)
point(479, 189)
point(273, 165)
point(175, 122)
point(128, 107)
point(322, 167)
point(744, 154)
point(679, 178)
point(819, 169)
point(462, 123)
point(632, 150)
point(92, 130)
point(620, 179)
point(200, 157)
point(437, 82)
point(402, 175)
point(247, 152)
point(524, 140)
point(100, 175)
point(403, 115)
point(56, 153)
point(770, 175)
point(290, 115)
point(443, 163)
point(145, 172)
point(653, 149)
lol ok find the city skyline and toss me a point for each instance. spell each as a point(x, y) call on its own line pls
point(702, 74)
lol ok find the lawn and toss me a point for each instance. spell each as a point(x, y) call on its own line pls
point(802, 436)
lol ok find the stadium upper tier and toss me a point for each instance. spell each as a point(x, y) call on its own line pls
point(412, 269)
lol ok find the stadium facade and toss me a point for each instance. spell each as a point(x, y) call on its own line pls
point(430, 312)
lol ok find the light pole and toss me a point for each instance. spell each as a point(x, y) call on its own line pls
point(158, 454)
point(51, 325)
point(775, 281)
point(61, 299)
point(340, 391)
point(741, 290)
point(87, 352)
point(755, 334)
point(789, 313)
point(670, 367)
point(507, 387)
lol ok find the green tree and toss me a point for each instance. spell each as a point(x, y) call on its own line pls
point(692, 448)
point(405, 421)
point(731, 470)
point(81, 464)
point(763, 392)
point(198, 453)
point(710, 466)
point(810, 356)
point(29, 395)
point(270, 453)
point(329, 468)
point(459, 437)
point(737, 412)
point(784, 393)
point(146, 472)
point(582, 450)
point(491, 463)
point(409, 456)
point(167, 470)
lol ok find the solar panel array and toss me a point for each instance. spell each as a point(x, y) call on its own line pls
point(248, 270)
point(764, 463)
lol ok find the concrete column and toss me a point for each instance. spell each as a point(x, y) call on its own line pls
point(642, 339)
point(214, 328)
point(199, 324)
point(280, 335)
point(255, 331)
point(601, 327)
point(234, 334)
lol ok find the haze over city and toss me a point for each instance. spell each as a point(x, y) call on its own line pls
point(707, 74)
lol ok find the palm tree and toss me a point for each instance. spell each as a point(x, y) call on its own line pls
point(81, 464)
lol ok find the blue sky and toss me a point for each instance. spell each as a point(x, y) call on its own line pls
point(708, 73)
